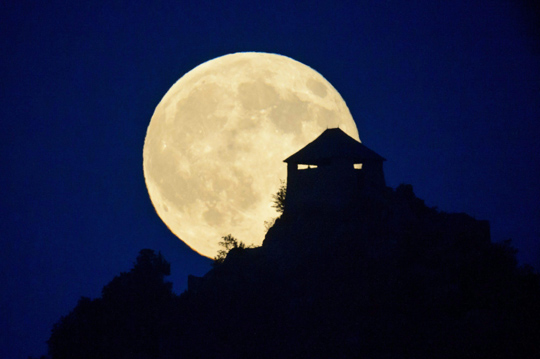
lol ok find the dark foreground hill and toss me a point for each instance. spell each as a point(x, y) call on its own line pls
point(386, 277)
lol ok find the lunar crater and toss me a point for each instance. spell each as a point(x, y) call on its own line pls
point(257, 95)
point(316, 87)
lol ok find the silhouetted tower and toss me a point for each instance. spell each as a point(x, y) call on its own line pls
point(332, 171)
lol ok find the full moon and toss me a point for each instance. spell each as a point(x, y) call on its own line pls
point(214, 150)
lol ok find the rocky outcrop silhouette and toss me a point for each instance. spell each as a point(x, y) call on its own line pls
point(386, 277)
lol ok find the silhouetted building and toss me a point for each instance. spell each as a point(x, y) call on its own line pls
point(332, 171)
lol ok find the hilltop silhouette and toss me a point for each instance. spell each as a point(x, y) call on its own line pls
point(351, 269)
point(386, 278)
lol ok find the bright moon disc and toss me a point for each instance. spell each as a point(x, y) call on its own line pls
point(214, 150)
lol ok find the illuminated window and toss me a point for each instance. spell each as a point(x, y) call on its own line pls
point(357, 166)
point(306, 167)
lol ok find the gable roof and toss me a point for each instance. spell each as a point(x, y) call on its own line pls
point(333, 143)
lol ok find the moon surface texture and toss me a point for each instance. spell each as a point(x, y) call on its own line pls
point(214, 149)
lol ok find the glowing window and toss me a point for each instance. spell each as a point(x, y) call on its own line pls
point(357, 166)
point(306, 167)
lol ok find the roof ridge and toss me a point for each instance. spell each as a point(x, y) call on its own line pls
point(334, 143)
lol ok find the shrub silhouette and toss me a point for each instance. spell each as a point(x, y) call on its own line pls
point(228, 243)
point(280, 197)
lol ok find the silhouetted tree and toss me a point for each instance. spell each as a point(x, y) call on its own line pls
point(130, 320)
point(279, 197)
point(228, 242)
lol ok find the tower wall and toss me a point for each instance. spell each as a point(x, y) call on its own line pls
point(325, 187)
point(332, 186)
point(373, 174)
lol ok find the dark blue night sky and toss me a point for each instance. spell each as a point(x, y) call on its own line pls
point(449, 94)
